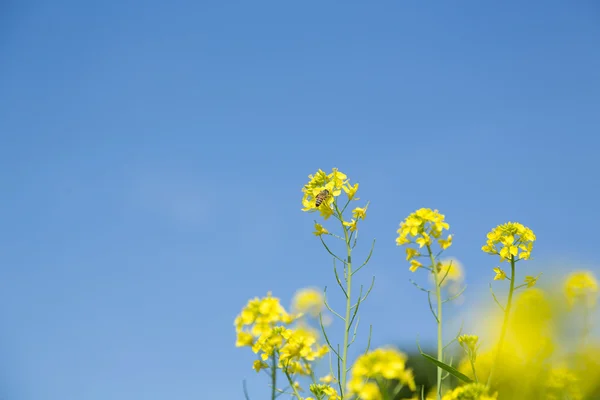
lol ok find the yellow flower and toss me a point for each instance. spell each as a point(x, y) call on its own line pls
point(327, 379)
point(469, 343)
point(350, 190)
point(317, 184)
point(563, 384)
point(530, 280)
point(351, 224)
point(511, 240)
point(414, 265)
point(244, 339)
point(259, 365)
point(321, 390)
point(581, 286)
point(450, 270)
point(319, 230)
point(472, 391)
point(308, 301)
point(445, 243)
point(411, 253)
point(360, 213)
point(500, 274)
point(376, 365)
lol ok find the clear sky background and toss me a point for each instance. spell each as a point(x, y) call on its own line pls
point(152, 155)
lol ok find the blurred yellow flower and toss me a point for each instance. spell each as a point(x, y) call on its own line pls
point(308, 301)
point(472, 391)
point(451, 269)
point(375, 366)
point(581, 286)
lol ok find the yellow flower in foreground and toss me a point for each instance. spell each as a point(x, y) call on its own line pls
point(510, 240)
point(472, 391)
point(500, 274)
point(319, 230)
point(562, 384)
point(308, 301)
point(581, 286)
point(259, 365)
point(377, 365)
point(321, 391)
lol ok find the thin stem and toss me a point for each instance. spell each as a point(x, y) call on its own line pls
point(505, 322)
point(440, 346)
point(292, 385)
point(273, 376)
point(473, 368)
point(347, 320)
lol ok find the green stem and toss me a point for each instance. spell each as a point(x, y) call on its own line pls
point(292, 385)
point(505, 322)
point(440, 345)
point(348, 309)
point(273, 376)
point(473, 368)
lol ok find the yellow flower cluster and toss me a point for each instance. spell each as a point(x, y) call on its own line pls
point(372, 367)
point(323, 392)
point(472, 391)
point(322, 189)
point(295, 348)
point(581, 286)
point(258, 317)
point(425, 225)
point(509, 240)
point(562, 384)
point(469, 343)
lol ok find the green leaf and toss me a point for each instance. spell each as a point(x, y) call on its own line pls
point(448, 368)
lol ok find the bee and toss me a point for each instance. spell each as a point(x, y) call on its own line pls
point(321, 197)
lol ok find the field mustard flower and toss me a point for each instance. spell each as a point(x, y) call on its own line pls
point(308, 301)
point(424, 224)
point(320, 230)
point(472, 391)
point(324, 391)
point(333, 183)
point(581, 286)
point(500, 274)
point(470, 345)
point(511, 240)
point(375, 366)
point(562, 384)
point(260, 316)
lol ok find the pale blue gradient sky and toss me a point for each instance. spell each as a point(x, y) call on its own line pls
point(152, 155)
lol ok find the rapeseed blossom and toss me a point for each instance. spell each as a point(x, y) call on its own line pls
point(581, 286)
point(424, 225)
point(511, 240)
point(308, 301)
point(374, 367)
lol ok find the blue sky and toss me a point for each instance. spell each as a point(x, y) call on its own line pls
point(152, 155)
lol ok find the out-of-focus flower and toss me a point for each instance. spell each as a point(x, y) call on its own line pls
point(562, 384)
point(374, 366)
point(450, 270)
point(581, 286)
point(260, 316)
point(472, 391)
point(308, 301)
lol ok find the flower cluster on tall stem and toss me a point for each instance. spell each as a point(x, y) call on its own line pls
point(322, 194)
point(418, 232)
point(511, 242)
